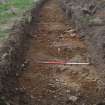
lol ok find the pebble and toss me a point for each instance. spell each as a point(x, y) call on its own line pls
point(57, 80)
point(22, 89)
point(68, 91)
point(73, 35)
point(59, 50)
point(13, 10)
point(16, 89)
point(32, 96)
point(73, 98)
point(4, 55)
point(71, 31)
point(55, 96)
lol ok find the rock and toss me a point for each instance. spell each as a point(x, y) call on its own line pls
point(73, 98)
point(73, 35)
point(59, 50)
point(57, 80)
point(25, 64)
point(12, 10)
point(71, 31)
point(68, 91)
point(32, 97)
point(55, 96)
point(16, 89)
point(4, 56)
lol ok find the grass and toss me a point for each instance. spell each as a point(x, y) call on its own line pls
point(86, 19)
point(6, 16)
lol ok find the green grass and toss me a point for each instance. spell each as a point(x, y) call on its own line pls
point(86, 19)
point(6, 16)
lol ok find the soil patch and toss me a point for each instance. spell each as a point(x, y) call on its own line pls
point(59, 84)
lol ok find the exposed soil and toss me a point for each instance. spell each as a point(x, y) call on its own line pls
point(88, 16)
point(48, 84)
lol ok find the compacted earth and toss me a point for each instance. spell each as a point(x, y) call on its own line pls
point(57, 84)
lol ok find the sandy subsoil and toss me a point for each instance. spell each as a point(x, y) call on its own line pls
point(48, 84)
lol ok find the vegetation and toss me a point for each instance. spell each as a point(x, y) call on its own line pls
point(86, 19)
point(10, 12)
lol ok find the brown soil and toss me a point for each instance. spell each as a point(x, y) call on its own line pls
point(59, 84)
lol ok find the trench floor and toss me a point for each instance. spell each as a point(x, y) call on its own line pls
point(54, 84)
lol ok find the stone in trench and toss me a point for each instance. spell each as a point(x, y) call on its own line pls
point(73, 98)
point(73, 35)
point(13, 10)
point(71, 31)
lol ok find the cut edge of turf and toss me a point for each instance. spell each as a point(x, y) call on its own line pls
point(6, 16)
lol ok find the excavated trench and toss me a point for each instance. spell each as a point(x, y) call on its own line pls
point(46, 84)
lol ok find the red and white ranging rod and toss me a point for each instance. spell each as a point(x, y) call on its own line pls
point(63, 63)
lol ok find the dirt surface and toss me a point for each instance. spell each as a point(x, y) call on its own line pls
point(88, 16)
point(48, 84)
